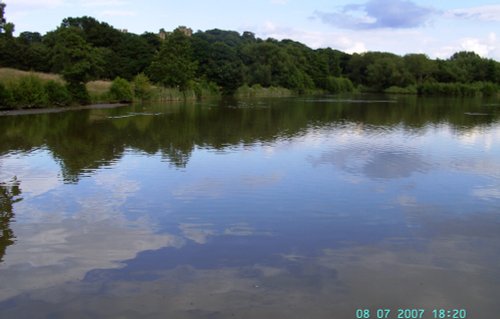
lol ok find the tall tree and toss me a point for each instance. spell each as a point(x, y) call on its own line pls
point(174, 65)
point(420, 67)
point(77, 60)
point(222, 65)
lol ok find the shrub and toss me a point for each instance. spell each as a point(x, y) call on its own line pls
point(458, 89)
point(411, 89)
point(121, 90)
point(203, 89)
point(57, 93)
point(5, 97)
point(142, 87)
point(29, 92)
point(78, 93)
point(338, 85)
point(489, 89)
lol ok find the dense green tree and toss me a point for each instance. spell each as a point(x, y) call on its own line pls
point(132, 55)
point(387, 71)
point(420, 67)
point(269, 64)
point(76, 60)
point(121, 90)
point(83, 48)
point(335, 61)
point(142, 87)
point(3, 21)
point(223, 67)
point(5, 97)
point(174, 65)
point(98, 34)
point(468, 67)
point(73, 57)
point(29, 92)
point(57, 94)
point(125, 54)
point(357, 67)
point(6, 28)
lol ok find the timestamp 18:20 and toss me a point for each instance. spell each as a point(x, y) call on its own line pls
point(411, 314)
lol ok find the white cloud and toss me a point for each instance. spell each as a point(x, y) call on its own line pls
point(107, 3)
point(55, 245)
point(117, 13)
point(492, 193)
point(50, 254)
point(208, 187)
point(486, 47)
point(481, 47)
point(36, 3)
point(313, 39)
point(34, 180)
point(483, 13)
point(377, 14)
point(239, 230)
point(281, 2)
point(351, 46)
point(199, 233)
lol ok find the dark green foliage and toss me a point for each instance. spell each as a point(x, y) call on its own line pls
point(121, 91)
point(458, 89)
point(97, 34)
point(124, 54)
point(385, 71)
point(57, 94)
point(223, 67)
point(174, 65)
point(83, 48)
point(205, 88)
point(3, 21)
point(9, 195)
point(6, 28)
point(142, 87)
point(74, 58)
point(11, 52)
point(78, 92)
point(132, 56)
point(5, 97)
point(420, 67)
point(29, 92)
point(490, 89)
point(32, 92)
point(338, 85)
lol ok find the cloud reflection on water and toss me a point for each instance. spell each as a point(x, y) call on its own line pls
point(447, 270)
point(387, 162)
point(86, 230)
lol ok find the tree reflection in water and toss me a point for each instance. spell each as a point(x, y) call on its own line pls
point(9, 194)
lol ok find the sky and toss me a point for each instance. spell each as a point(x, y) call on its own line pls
point(436, 28)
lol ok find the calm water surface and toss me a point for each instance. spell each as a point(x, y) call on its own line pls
point(272, 208)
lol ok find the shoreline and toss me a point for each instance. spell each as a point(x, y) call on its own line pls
point(61, 109)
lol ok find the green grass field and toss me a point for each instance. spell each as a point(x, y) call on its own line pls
point(7, 75)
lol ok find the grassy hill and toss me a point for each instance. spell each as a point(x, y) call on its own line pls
point(8, 75)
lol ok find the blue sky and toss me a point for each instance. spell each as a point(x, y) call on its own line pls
point(437, 28)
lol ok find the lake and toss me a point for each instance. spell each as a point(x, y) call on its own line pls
point(311, 207)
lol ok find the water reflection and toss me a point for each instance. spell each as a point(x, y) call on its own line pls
point(373, 162)
point(285, 208)
point(86, 140)
point(9, 195)
point(64, 234)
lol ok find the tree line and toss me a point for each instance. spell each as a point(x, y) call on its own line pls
point(83, 49)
